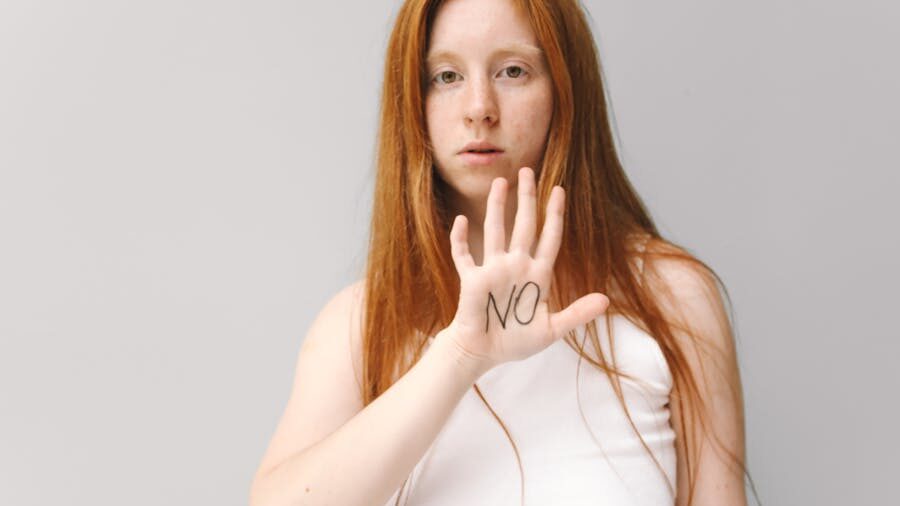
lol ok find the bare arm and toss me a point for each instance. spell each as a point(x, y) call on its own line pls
point(367, 459)
point(696, 304)
point(373, 449)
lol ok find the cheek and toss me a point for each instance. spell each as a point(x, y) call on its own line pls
point(435, 123)
point(531, 120)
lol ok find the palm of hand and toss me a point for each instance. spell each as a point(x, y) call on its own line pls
point(503, 312)
point(514, 318)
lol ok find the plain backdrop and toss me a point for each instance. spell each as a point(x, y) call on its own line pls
point(184, 184)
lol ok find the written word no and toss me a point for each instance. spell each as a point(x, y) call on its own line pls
point(512, 303)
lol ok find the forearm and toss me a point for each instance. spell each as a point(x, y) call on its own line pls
point(367, 458)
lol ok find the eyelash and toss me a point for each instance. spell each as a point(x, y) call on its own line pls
point(439, 74)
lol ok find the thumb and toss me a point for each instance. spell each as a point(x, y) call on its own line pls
point(578, 313)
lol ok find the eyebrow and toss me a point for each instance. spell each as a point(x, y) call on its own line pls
point(440, 54)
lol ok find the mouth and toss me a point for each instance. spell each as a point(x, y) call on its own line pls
point(481, 157)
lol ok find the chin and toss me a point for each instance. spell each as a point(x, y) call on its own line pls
point(475, 182)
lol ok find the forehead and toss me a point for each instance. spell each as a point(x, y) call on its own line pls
point(476, 26)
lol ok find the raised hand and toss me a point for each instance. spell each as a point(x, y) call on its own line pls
point(503, 304)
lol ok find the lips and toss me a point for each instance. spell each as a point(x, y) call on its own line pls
point(480, 147)
point(473, 158)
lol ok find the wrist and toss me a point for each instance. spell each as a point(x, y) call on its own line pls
point(447, 346)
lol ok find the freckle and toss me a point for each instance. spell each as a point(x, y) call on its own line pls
point(307, 489)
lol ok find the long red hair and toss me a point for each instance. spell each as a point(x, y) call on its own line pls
point(411, 287)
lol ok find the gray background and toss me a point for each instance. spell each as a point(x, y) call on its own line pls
point(183, 184)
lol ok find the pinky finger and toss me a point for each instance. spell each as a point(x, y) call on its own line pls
point(459, 244)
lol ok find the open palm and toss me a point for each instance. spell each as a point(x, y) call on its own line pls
point(503, 312)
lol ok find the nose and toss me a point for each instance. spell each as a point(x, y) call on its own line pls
point(481, 103)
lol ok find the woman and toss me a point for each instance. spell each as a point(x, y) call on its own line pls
point(493, 120)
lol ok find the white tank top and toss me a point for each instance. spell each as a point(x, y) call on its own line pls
point(471, 462)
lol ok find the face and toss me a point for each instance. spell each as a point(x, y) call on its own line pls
point(488, 81)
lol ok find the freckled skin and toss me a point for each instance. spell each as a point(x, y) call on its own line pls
point(485, 101)
point(488, 80)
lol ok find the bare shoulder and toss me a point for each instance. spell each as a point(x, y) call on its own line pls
point(338, 325)
point(688, 292)
point(673, 263)
point(325, 392)
point(675, 268)
point(662, 254)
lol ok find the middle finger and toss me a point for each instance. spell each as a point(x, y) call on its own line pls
point(523, 230)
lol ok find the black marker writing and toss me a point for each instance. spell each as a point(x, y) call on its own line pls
point(537, 297)
point(509, 304)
